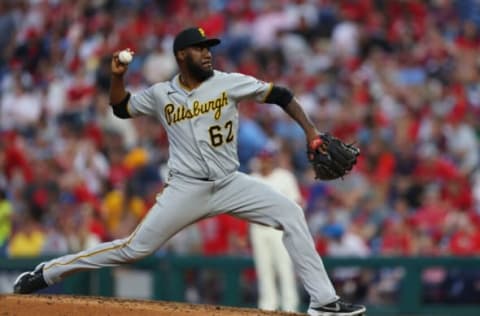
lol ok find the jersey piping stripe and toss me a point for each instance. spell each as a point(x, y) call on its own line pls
point(184, 87)
point(268, 92)
point(94, 253)
point(128, 109)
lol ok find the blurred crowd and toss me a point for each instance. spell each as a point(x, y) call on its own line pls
point(400, 78)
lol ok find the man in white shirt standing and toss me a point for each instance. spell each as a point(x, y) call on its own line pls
point(272, 261)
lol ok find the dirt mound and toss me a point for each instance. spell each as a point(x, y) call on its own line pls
point(52, 305)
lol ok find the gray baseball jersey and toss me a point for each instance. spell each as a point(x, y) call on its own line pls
point(202, 129)
point(201, 124)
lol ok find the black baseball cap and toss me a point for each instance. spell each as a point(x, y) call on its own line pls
point(192, 36)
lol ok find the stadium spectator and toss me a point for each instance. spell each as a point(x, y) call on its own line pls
point(5, 219)
point(28, 240)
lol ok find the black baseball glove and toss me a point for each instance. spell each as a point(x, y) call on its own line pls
point(330, 157)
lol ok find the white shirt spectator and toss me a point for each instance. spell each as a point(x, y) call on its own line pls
point(348, 245)
point(345, 39)
point(307, 11)
point(267, 25)
point(91, 165)
point(20, 108)
point(295, 49)
point(56, 96)
point(159, 66)
point(463, 144)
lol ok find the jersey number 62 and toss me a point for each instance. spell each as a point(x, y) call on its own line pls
point(217, 134)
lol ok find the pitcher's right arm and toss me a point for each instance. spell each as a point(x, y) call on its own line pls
point(119, 96)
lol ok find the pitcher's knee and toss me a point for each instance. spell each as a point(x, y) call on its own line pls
point(292, 216)
point(296, 213)
point(287, 213)
point(135, 251)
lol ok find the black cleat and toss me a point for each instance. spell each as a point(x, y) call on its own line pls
point(30, 281)
point(338, 308)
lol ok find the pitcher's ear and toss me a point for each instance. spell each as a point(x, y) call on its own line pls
point(181, 54)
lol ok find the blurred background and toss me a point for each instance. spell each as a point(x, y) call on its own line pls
point(400, 78)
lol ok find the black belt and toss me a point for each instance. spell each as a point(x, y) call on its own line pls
point(201, 179)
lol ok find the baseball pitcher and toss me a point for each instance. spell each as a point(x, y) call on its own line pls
point(199, 110)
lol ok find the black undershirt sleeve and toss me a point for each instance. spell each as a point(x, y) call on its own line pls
point(120, 109)
point(279, 95)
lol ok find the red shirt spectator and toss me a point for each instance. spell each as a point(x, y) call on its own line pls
point(469, 39)
point(436, 168)
point(406, 16)
point(213, 24)
point(377, 162)
point(458, 194)
point(431, 216)
point(222, 235)
point(356, 10)
point(396, 239)
point(16, 158)
point(321, 244)
point(465, 242)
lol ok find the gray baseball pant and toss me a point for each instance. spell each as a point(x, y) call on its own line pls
point(186, 200)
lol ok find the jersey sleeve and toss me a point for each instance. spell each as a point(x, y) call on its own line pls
point(248, 87)
point(142, 103)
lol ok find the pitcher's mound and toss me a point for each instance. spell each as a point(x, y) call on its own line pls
point(52, 305)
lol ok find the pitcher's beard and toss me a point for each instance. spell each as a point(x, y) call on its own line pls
point(197, 71)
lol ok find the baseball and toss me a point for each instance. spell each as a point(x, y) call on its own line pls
point(125, 57)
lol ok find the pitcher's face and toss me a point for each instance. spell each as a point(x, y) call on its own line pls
point(198, 60)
